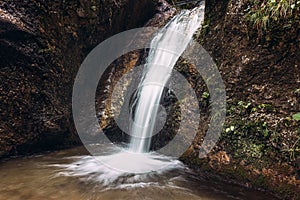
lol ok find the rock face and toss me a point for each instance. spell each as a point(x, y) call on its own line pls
point(42, 46)
point(260, 69)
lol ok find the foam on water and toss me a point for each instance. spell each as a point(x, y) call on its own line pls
point(122, 169)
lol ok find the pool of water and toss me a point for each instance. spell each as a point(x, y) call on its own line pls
point(74, 174)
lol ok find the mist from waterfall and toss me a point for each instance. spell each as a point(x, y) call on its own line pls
point(166, 48)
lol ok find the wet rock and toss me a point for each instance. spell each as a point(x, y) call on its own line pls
point(42, 46)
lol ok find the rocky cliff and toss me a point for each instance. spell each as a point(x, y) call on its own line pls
point(42, 46)
point(256, 47)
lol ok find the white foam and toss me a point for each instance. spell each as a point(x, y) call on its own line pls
point(123, 167)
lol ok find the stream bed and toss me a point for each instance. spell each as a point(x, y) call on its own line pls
point(72, 174)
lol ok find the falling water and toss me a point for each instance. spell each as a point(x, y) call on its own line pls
point(117, 164)
point(166, 48)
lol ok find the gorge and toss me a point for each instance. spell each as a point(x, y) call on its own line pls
point(42, 46)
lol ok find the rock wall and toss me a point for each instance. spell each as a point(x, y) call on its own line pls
point(259, 64)
point(42, 46)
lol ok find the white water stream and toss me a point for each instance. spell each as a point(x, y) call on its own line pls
point(166, 48)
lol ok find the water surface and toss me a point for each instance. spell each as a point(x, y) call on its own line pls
point(55, 176)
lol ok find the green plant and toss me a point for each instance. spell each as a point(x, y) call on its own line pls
point(262, 12)
point(296, 116)
point(244, 105)
point(293, 150)
point(205, 95)
point(229, 129)
point(265, 130)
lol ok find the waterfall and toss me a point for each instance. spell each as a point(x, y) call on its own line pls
point(166, 48)
point(114, 166)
